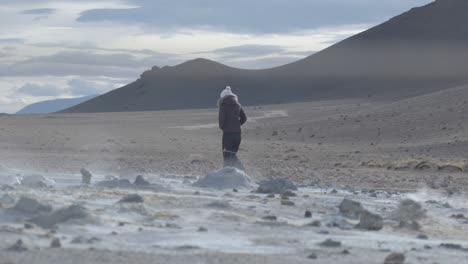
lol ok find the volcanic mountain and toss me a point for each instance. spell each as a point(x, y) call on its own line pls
point(418, 52)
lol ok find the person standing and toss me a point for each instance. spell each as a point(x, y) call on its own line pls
point(231, 118)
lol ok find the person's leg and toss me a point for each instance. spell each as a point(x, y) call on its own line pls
point(236, 162)
point(227, 149)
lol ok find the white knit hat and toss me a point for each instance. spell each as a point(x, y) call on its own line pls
point(226, 92)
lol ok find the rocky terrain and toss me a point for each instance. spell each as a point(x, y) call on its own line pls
point(356, 181)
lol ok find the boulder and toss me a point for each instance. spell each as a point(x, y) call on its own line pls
point(351, 209)
point(370, 221)
point(140, 180)
point(61, 216)
point(85, 176)
point(132, 198)
point(31, 206)
point(395, 258)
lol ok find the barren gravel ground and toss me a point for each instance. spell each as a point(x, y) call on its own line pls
point(412, 148)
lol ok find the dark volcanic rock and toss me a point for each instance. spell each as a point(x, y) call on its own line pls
point(60, 216)
point(278, 186)
point(18, 246)
point(330, 243)
point(85, 176)
point(287, 203)
point(351, 209)
point(31, 206)
point(395, 258)
point(132, 198)
point(140, 180)
point(56, 243)
point(370, 221)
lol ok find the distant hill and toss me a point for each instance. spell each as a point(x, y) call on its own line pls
point(51, 106)
point(418, 52)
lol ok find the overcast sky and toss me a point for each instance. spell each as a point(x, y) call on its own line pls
point(56, 49)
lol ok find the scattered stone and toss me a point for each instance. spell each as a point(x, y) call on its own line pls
point(308, 214)
point(18, 246)
point(423, 237)
point(451, 246)
point(31, 206)
point(458, 216)
point(140, 180)
point(270, 218)
point(287, 203)
point(85, 176)
point(312, 256)
point(173, 226)
point(315, 223)
point(83, 240)
point(56, 243)
point(289, 193)
point(132, 198)
point(330, 243)
point(28, 226)
point(351, 209)
point(235, 190)
point(345, 252)
point(60, 216)
point(226, 178)
point(219, 205)
point(275, 133)
point(278, 186)
point(395, 258)
point(202, 229)
point(370, 221)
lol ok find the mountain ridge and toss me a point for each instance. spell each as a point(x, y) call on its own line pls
point(390, 61)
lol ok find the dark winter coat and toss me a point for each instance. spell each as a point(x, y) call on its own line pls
point(231, 115)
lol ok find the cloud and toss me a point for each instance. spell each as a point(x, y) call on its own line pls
point(247, 16)
point(39, 11)
point(11, 40)
point(83, 63)
point(33, 89)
